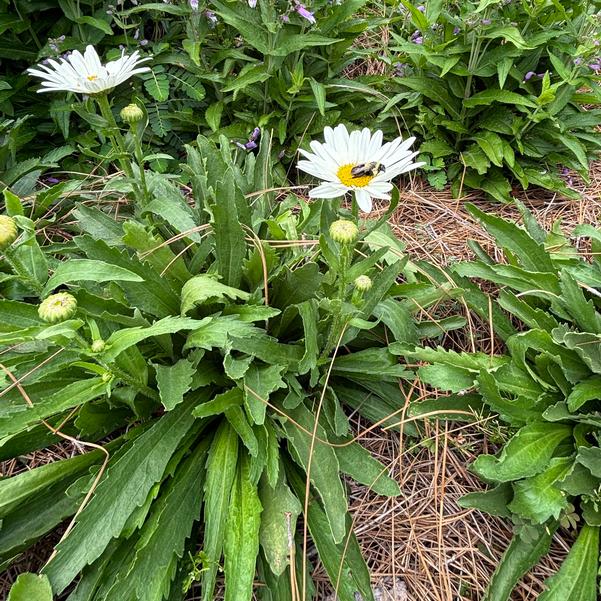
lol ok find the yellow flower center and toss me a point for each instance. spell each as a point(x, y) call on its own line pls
point(348, 179)
point(92, 77)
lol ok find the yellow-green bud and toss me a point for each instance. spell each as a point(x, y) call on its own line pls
point(57, 307)
point(98, 346)
point(132, 113)
point(8, 231)
point(344, 231)
point(363, 283)
point(106, 376)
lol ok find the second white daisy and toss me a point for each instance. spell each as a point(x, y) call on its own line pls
point(357, 162)
point(85, 74)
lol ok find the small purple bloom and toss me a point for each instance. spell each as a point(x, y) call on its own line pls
point(143, 42)
point(578, 61)
point(456, 30)
point(417, 38)
point(52, 180)
point(596, 42)
point(252, 3)
point(421, 8)
point(250, 145)
point(194, 4)
point(400, 69)
point(211, 17)
point(255, 135)
point(595, 66)
point(486, 21)
point(306, 14)
point(285, 18)
point(529, 75)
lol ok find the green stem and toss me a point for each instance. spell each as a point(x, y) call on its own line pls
point(140, 160)
point(114, 133)
point(20, 269)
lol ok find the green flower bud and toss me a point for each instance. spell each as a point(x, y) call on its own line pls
point(98, 346)
point(57, 307)
point(8, 231)
point(132, 113)
point(363, 283)
point(344, 231)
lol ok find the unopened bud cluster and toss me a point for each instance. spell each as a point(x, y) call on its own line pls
point(57, 307)
point(344, 231)
point(8, 231)
point(132, 113)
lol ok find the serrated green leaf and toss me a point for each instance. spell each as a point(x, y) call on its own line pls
point(30, 587)
point(202, 289)
point(281, 509)
point(528, 453)
point(577, 577)
point(358, 463)
point(241, 545)
point(522, 554)
point(221, 477)
point(124, 487)
point(127, 337)
point(173, 382)
point(324, 467)
point(538, 499)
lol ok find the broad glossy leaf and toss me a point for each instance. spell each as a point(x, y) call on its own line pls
point(537, 498)
point(528, 453)
point(75, 270)
point(259, 383)
point(123, 339)
point(358, 463)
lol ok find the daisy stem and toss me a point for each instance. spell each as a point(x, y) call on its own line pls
point(114, 134)
point(140, 160)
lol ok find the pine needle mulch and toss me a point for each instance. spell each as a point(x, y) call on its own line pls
point(421, 546)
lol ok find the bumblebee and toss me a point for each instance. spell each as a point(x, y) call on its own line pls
point(370, 169)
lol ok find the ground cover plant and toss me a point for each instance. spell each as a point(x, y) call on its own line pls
point(498, 89)
point(546, 388)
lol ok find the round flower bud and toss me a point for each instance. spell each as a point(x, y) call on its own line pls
point(132, 113)
point(57, 307)
point(344, 231)
point(363, 283)
point(8, 231)
point(98, 346)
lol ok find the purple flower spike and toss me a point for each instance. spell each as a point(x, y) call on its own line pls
point(255, 135)
point(306, 14)
point(529, 75)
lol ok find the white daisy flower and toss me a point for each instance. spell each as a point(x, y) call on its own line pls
point(357, 162)
point(85, 74)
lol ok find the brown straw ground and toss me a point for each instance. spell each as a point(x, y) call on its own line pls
point(420, 546)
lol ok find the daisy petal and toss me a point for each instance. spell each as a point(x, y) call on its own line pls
point(328, 190)
point(363, 200)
